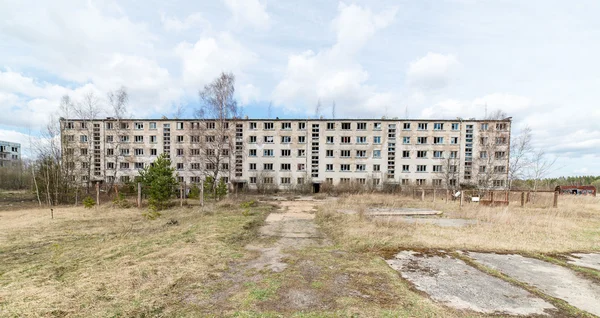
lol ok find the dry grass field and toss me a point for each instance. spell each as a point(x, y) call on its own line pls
point(536, 228)
point(111, 262)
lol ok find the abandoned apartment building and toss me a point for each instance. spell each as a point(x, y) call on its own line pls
point(10, 153)
point(284, 153)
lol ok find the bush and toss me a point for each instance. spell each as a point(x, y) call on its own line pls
point(121, 202)
point(194, 192)
point(210, 191)
point(88, 202)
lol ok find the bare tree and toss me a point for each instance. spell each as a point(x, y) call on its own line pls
point(87, 111)
point(117, 101)
point(540, 167)
point(333, 110)
point(521, 151)
point(493, 150)
point(218, 114)
point(449, 172)
point(318, 109)
point(270, 110)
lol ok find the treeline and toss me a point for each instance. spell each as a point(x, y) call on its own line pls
point(551, 183)
point(17, 176)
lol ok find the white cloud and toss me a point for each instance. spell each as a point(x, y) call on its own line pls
point(249, 12)
point(431, 72)
point(333, 74)
point(194, 20)
point(209, 56)
point(476, 108)
point(248, 93)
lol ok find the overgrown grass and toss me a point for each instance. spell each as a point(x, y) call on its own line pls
point(110, 262)
point(573, 226)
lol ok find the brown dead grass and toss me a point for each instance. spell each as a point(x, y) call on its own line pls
point(573, 226)
point(109, 262)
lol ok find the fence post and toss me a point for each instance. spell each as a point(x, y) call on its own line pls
point(139, 195)
point(97, 193)
point(116, 191)
point(433, 195)
point(462, 194)
point(555, 199)
point(522, 199)
point(528, 197)
point(492, 196)
point(202, 193)
point(422, 194)
point(447, 192)
point(414, 193)
point(181, 193)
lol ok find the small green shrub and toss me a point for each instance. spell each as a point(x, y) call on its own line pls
point(88, 202)
point(121, 202)
point(194, 192)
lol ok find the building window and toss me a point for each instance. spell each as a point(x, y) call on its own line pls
point(301, 152)
point(501, 127)
point(285, 180)
point(138, 126)
point(286, 139)
point(438, 126)
point(210, 138)
point(267, 166)
point(454, 126)
point(500, 140)
point(267, 152)
point(346, 126)
point(210, 166)
point(482, 169)
point(500, 154)
point(376, 153)
point(83, 138)
point(301, 167)
point(329, 139)
point(180, 125)
point(438, 154)
point(300, 181)
point(484, 126)
point(286, 152)
point(499, 169)
point(329, 153)
point(252, 153)
point(268, 139)
point(405, 154)
point(345, 139)
point(361, 167)
point(252, 180)
point(179, 138)
point(124, 151)
point(124, 138)
point(345, 167)
point(405, 168)
point(361, 139)
point(437, 168)
point(329, 180)
point(438, 140)
point(421, 154)
point(421, 168)
point(286, 167)
point(361, 126)
point(138, 139)
point(377, 139)
point(329, 167)
point(301, 139)
point(376, 167)
point(376, 126)
point(110, 165)
point(344, 180)
point(301, 126)
point(252, 166)
point(421, 140)
point(498, 183)
point(345, 153)
point(453, 140)
point(83, 151)
point(268, 126)
point(138, 151)
point(453, 154)
point(406, 126)
point(330, 126)
point(437, 182)
point(252, 125)
point(361, 153)
point(421, 182)
point(268, 180)
point(180, 152)
point(422, 126)
point(139, 165)
point(124, 165)
point(109, 152)
point(286, 126)
point(252, 139)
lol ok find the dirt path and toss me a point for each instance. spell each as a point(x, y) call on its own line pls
point(292, 226)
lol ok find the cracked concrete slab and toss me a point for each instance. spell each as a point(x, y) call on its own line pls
point(456, 284)
point(551, 279)
point(589, 260)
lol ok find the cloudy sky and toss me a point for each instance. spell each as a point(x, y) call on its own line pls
point(536, 60)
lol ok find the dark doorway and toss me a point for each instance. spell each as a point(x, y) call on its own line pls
point(316, 187)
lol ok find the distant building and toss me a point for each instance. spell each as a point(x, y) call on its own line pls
point(10, 153)
point(288, 152)
point(591, 190)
